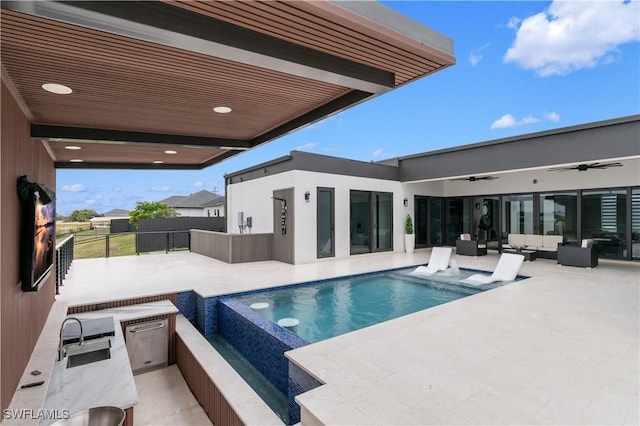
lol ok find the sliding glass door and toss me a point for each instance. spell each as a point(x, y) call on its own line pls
point(604, 220)
point(371, 221)
point(382, 214)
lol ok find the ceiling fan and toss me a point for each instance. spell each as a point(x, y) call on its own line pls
point(476, 178)
point(584, 167)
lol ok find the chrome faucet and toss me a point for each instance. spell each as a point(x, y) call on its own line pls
point(61, 351)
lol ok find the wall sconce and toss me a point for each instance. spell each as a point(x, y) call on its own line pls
point(307, 196)
point(406, 202)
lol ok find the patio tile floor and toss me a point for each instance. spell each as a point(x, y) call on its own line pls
point(560, 347)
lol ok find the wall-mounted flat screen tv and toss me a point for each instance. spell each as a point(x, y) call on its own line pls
point(37, 233)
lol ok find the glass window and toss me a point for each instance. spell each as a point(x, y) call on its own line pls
point(382, 221)
point(559, 215)
point(325, 217)
point(604, 220)
point(360, 221)
point(371, 221)
point(421, 221)
point(518, 214)
point(435, 222)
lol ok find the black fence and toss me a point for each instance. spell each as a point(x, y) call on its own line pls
point(166, 233)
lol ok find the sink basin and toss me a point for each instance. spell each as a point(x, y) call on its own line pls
point(97, 350)
point(98, 416)
point(88, 357)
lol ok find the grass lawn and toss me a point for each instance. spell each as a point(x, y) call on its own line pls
point(92, 243)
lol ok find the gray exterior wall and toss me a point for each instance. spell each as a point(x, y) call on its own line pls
point(584, 143)
point(299, 160)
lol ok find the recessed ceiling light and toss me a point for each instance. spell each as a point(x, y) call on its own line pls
point(72, 147)
point(158, 162)
point(58, 89)
point(75, 160)
point(222, 109)
point(170, 151)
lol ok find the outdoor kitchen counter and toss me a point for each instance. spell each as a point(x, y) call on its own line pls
point(102, 383)
point(108, 382)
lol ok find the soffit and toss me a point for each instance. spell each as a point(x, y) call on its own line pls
point(134, 90)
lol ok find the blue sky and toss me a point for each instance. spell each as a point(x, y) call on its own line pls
point(521, 67)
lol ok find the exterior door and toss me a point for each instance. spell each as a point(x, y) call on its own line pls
point(326, 223)
point(382, 219)
point(371, 221)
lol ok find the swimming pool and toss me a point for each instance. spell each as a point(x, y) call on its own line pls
point(324, 309)
point(334, 307)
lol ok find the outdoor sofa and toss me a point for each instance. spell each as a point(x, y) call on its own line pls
point(545, 246)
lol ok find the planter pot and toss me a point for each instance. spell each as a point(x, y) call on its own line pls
point(409, 242)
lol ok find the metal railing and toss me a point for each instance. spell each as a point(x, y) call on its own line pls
point(130, 243)
point(90, 246)
point(63, 259)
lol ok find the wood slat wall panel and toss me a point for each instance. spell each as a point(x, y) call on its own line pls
point(172, 297)
point(22, 315)
point(204, 390)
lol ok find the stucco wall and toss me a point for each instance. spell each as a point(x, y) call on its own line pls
point(254, 199)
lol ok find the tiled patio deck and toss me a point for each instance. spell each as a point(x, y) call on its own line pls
point(558, 348)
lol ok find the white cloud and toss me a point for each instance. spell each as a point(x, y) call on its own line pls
point(552, 116)
point(78, 187)
point(513, 22)
point(116, 189)
point(572, 35)
point(381, 154)
point(198, 184)
point(508, 120)
point(476, 55)
point(307, 147)
point(162, 188)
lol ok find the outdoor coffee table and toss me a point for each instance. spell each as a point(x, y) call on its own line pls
point(529, 255)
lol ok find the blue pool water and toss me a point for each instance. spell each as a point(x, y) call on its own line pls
point(334, 307)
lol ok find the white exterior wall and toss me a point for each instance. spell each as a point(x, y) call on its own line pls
point(190, 212)
point(254, 199)
point(214, 211)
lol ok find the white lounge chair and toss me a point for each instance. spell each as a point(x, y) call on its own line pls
point(439, 261)
point(506, 270)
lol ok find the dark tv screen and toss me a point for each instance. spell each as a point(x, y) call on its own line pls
point(37, 238)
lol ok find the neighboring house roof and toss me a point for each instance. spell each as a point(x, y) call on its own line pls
point(199, 199)
point(173, 200)
point(217, 201)
point(116, 213)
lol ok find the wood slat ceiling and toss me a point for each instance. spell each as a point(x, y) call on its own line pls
point(116, 153)
point(301, 22)
point(136, 86)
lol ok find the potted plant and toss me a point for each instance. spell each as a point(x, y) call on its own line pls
point(409, 236)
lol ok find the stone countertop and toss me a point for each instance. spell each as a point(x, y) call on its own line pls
point(103, 383)
point(27, 405)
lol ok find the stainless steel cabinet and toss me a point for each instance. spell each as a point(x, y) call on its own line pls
point(147, 344)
